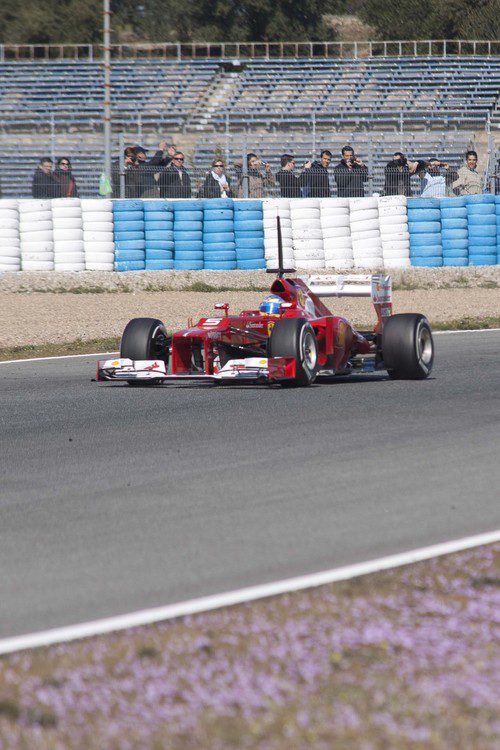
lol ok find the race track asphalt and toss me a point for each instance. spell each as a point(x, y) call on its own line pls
point(114, 499)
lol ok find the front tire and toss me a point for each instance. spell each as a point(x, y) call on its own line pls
point(408, 347)
point(145, 338)
point(295, 337)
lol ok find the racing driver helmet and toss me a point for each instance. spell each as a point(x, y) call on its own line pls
point(271, 305)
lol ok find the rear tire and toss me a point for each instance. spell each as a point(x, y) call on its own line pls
point(408, 347)
point(144, 338)
point(295, 337)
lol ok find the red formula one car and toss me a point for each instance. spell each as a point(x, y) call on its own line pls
point(291, 340)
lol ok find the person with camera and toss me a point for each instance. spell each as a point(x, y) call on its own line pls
point(147, 169)
point(398, 173)
point(314, 179)
point(259, 182)
point(436, 178)
point(288, 181)
point(350, 175)
point(469, 181)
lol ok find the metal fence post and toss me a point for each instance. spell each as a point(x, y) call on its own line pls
point(313, 134)
point(52, 139)
point(244, 176)
point(121, 157)
point(227, 139)
point(370, 166)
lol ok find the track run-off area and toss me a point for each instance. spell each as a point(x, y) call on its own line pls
point(115, 499)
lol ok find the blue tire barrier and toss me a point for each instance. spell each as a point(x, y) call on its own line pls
point(130, 245)
point(455, 244)
point(158, 265)
point(218, 227)
point(483, 231)
point(157, 206)
point(130, 265)
point(194, 246)
point(214, 239)
point(247, 226)
point(426, 239)
point(250, 243)
point(452, 202)
point(119, 216)
point(427, 252)
point(188, 226)
point(249, 235)
point(226, 247)
point(249, 264)
point(453, 213)
point(482, 220)
point(481, 209)
point(159, 254)
point(251, 216)
point(450, 261)
point(225, 256)
point(220, 265)
point(160, 225)
point(187, 204)
point(154, 234)
point(186, 236)
point(447, 224)
point(482, 241)
point(456, 252)
point(424, 214)
point(252, 254)
point(248, 205)
point(188, 265)
point(129, 254)
point(159, 245)
point(482, 260)
point(128, 236)
point(188, 255)
point(422, 203)
point(127, 205)
point(218, 214)
point(454, 234)
point(419, 227)
point(128, 226)
point(479, 198)
point(214, 203)
point(428, 262)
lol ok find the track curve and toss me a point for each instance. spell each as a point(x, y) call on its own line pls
point(116, 499)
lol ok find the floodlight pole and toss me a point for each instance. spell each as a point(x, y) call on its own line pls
point(107, 86)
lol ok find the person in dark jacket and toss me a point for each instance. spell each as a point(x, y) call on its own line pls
point(64, 178)
point(314, 179)
point(288, 181)
point(350, 174)
point(216, 184)
point(143, 176)
point(174, 181)
point(44, 184)
point(398, 173)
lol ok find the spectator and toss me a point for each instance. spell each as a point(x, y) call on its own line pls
point(65, 179)
point(469, 181)
point(144, 175)
point(497, 178)
point(174, 180)
point(44, 184)
point(314, 178)
point(256, 178)
point(436, 178)
point(350, 174)
point(129, 162)
point(289, 182)
point(216, 183)
point(398, 173)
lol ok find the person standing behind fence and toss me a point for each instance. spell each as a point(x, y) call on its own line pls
point(436, 178)
point(65, 179)
point(288, 181)
point(257, 180)
point(350, 175)
point(216, 183)
point(44, 184)
point(469, 180)
point(175, 181)
point(314, 179)
point(398, 173)
point(144, 176)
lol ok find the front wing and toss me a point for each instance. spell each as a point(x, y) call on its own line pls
point(253, 369)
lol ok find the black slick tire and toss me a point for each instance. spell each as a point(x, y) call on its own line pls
point(295, 337)
point(408, 347)
point(144, 338)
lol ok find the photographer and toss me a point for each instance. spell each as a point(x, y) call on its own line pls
point(436, 178)
point(398, 173)
point(314, 178)
point(288, 181)
point(350, 174)
point(129, 161)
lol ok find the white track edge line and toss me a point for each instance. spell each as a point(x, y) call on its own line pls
point(101, 354)
point(239, 596)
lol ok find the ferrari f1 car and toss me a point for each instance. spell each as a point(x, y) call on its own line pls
point(292, 340)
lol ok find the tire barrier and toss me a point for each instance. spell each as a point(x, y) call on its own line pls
point(424, 227)
point(128, 235)
point(222, 234)
point(249, 234)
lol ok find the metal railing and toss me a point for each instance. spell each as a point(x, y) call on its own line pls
point(177, 51)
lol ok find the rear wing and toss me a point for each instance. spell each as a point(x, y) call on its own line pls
point(377, 286)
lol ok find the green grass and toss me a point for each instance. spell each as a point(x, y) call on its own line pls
point(58, 350)
point(466, 324)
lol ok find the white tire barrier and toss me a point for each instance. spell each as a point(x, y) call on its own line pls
point(98, 242)
point(394, 230)
point(271, 209)
point(69, 254)
point(10, 250)
point(365, 233)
